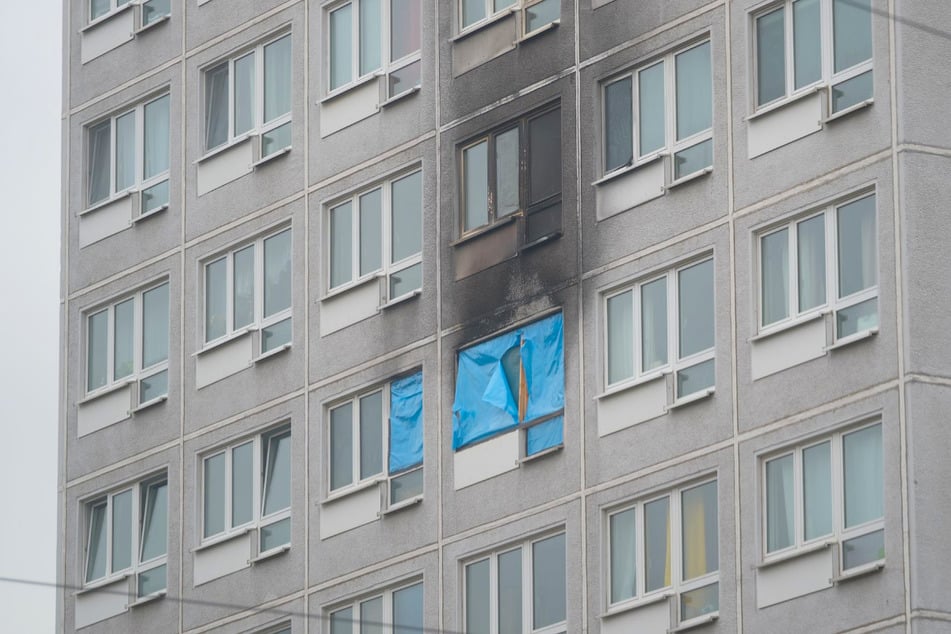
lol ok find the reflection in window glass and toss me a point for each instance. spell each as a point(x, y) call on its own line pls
point(370, 25)
point(510, 591)
point(341, 238)
point(657, 544)
point(97, 345)
point(341, 446)
point(694, 91)
point(548, 581)
point(341, 32)
point(243, 94)
point(623, 563)
point(155, 326)
point(852, 32)
point(277, 273)
point(812, 262)
point(620, 337)
point(856, 246)
point(477, 598)
point(650, 95)
point(862, 457)
point(807, 42)
point(277, 78)
point(124, 339)
point(817, 490)
point(408, 610)
point(371, 231)
point(771, 56)
point(407, 216)
point(214, 495)
point(775, 276)
point(696, 308)
point(242, 484)
point(618, 128)
point(654, 324)
point(121, 531)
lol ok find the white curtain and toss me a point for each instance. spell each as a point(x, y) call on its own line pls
point(862, 454)
point(277, 78)
point(623, 563)
point(779, 503)
point(812, 263)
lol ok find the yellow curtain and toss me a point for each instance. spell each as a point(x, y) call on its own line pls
point(695, 536)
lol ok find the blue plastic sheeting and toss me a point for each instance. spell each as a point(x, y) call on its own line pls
point(544, 436)
point(406, 422)
point(485, 404)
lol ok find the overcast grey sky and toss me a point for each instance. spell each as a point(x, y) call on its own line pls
point(30, 108)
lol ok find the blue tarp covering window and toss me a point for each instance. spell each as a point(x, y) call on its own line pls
point(406, 422)
point(496, 391)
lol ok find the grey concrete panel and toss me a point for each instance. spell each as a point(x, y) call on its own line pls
point(212, 19)
point(922, 33)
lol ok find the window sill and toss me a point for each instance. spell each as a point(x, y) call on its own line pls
point(399, 97)
point(343, 289)
point(700, 621)
point(484, 24)
point(847, 111)
point(633, 167)
point(847, 341)
point(270, 354)
point(149, 403)
point(481, 231)
point(790, 325)
point(222, 341)
point(865, 570)
point(217, 541)
point(692, 398)
point(551, 26)
point(274, 552)
point(270, 157)
point(150, 214)
point(153, 24)
point(541, 454)
point(351, 490)
point(623, 608)
point(342, 90)
point(405, 504)
point(793, 555)
point(108, 201)
point(149, 598)
point(102, 19)
point(221, 149)
point(405, 297)
point(95, 586)
point(781, 105)
point(103, 391)
point(629, 385)
point(540, 241)
point(683, 180)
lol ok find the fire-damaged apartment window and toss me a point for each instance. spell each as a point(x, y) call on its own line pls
point(515, 380)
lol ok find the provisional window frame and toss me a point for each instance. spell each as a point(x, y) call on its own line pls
point(404, 69)
point(527, 207)
point(674, 363)
point(260, 447)
point(387, 269)
point(672, 146)
point(270, 137)
point(496, 9)
point(387, 622)
point(150, 191)
point(839, 534)
point(260, 322)
point(139, 374)
point(832, 302)
point(674, 586)
point(140, 493)
point(526, 581)
point(828, 78)
point(147, 13)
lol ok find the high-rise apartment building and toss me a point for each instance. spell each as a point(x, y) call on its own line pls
point(498, 316)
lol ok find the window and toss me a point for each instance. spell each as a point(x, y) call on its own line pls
point(374, 37)
point(826, 261)
point(662, 108)
point(664, 324)
point(519, 589)
point(536, 14)
point(151, 11)
point(801, 44)
point(248, 485)
point(126, 534)
point(380, 431)
point(250, 95)
point(379, 233)
point(830, 489)
point(128, 153)
point(127, 342)
point(667, 545)
point(397, 611)
point(249, 288)
point(513, 381)
point(515, 170)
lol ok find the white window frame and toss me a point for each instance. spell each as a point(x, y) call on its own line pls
point(388, 625)
point(491, 15)
point(678, 587)
point(839, 534)
point(387, 269)
point(833, 303)
point(259, 471)
point(828, 77)
point(114, 7)
point(527, 583)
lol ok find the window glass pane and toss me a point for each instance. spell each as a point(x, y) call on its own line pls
point(693, 159)
point(863, 550)
point(618, 124)
point(811, 249)
point(277, 273)
point(275, 535)
point(370, 36)
point(155, 524)
point(407, 216)
point(243, 287)
point(852, 91)
point(654, 324)
point(404, 79)
point(473, 11)
point(476, 185)
point(699, 509)
point(371, 616)
point(341, 622)
point(657, 544)
point(341, 244)
point(807, 42)
point(99, 159)
point(477, 598)
point(405, 486)
point(341, 446)
point(774, 271)
point(156, 137)
point(243, 94)
point(96, 553)
point(155, 325)
point(408, 610)
point(125, 151)
point(242, 484)
point(863, 475)
point(152, 10)
point(276, 139)
point(154, 197)
point(153, 386)
point(817, 491)
point(856, 237)
point(276, 335)
point(695, 378)
point(695, 293)
point(694, 91)
point(650, 99)
point(506, 172)
point(770, 56)
point(404, 28)
point(97, 346)
point(548, 581)
point(852, 32)
point(623, 561)
point(406, 280)
point(216, 294)
point(371, 435)
point(277, 478)
point(371, 231)
point(341, 46)
point(544, 139)
point(214, 495)
point(498, 5)
point(856, 318)
point(277, 78)
point(699, 602)
point(98, 8)
point(510, 592)
point(152, 580)
point(779, 504)
point(124, 339)
point(620, 337)
point(541, 14)
point(121, 531)
point(216, 106)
